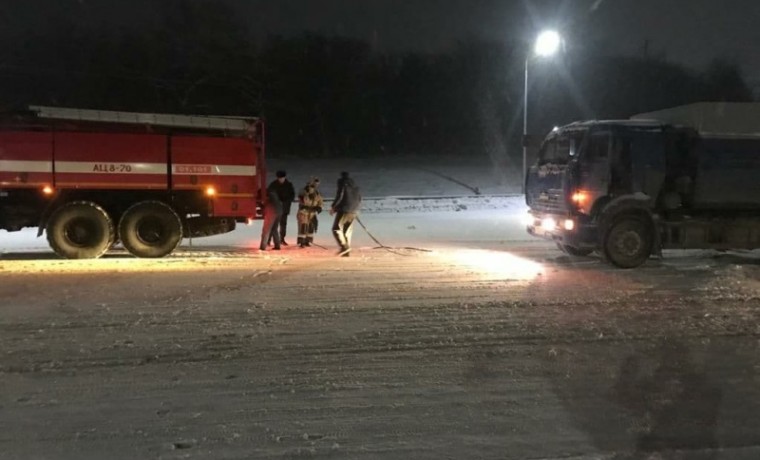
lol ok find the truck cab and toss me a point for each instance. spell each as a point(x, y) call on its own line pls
point(592, 176)
point(628, 189)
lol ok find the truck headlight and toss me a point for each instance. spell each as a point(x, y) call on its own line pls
point(548, 223)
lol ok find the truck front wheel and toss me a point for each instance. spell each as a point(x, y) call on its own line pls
point(80, 230)
point(150, 229)
point(628, 243)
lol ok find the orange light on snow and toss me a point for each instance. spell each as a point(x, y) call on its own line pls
point(249, 221)
point(47, 190)
point(210, 191)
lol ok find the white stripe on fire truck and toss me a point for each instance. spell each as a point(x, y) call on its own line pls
point(85, 167)
point(26, 166)
point(213, 170)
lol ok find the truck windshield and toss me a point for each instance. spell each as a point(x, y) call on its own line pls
point(560, 149)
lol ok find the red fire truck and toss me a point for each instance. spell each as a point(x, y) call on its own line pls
point(92, 178)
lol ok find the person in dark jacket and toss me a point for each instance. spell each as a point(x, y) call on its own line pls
point(272, 214)
point(345, 207)
point(286, 193)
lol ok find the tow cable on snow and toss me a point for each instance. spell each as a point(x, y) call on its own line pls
point(317, 245)
point(388, 248)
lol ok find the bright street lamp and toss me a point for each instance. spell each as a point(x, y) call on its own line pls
point(547, 44)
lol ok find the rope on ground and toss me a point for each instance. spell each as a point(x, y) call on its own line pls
point(388, 248)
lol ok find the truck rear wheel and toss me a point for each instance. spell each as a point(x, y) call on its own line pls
point(150, 229)
point(628, 243)
point(80, 230)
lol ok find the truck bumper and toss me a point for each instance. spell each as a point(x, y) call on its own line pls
point(568, 230)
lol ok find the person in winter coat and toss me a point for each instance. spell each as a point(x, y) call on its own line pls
point(309, 205)
point(345, 207)
point(272, 215)
point(286, 193)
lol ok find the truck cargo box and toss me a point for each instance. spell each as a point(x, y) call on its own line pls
point(726, 153)
point(728, 173)
point(722, 118)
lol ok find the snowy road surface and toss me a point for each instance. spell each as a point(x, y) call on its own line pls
point(492, 345)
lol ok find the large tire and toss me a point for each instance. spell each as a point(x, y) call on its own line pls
point(150, 229)
point(628, 242)
point(573, 251)
point(80, 230)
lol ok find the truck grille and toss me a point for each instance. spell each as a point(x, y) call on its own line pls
point(552, 202)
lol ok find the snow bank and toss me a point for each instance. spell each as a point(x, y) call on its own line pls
point(444, 176)
point(513, 204)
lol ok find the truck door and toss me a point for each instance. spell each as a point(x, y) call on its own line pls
point(594, 167)
point(546, 179)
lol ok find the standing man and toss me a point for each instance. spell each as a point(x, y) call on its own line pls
point(286, 193)
point(345, 208)
point(272, 214)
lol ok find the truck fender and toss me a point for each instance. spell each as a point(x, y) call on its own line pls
point(58, 200)
point(638, 204)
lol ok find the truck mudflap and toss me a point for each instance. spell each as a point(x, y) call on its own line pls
point(564, 229)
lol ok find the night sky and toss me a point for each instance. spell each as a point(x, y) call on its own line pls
point(690, 32)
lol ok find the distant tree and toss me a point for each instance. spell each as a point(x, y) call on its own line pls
point(492, 122)
point(332, 95)
point(193, 58)
point(321, 93)
point(723, 81)
point(614, 87)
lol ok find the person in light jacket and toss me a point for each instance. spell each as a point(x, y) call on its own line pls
point(310, 204)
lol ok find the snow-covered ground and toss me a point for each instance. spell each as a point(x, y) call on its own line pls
point(486, 343)
point(405, 205)
point(406, 202)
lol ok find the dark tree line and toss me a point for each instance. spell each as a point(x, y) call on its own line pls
point(337, 96)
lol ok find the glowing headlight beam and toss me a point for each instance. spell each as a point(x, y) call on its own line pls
point(497, 264)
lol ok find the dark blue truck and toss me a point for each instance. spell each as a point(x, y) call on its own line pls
point(629, 189)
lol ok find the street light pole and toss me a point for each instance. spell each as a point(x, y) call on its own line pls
point(525, 129)
point(547, 43)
